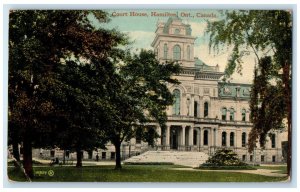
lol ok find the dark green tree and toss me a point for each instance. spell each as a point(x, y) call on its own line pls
point(46, 101)
point(267, 34)
point(141, 96)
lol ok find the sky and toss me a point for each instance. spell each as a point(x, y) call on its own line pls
point(140, 25)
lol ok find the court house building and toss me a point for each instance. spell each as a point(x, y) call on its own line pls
point(207, 113)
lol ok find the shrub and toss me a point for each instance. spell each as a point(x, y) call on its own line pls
point(224, 157)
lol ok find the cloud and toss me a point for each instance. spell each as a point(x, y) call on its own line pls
point(141, 39)
point(212, 59)
point(198, 29)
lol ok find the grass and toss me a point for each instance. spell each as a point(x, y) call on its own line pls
point(35, 162)
point(226, 168)
point(277, 169)
point(135, 173)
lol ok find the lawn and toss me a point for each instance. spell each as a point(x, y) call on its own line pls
point(277, 169)
point(135, 173)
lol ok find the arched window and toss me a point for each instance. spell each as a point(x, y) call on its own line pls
point(231, 114)
point(243, 139)
point(224, 138)
point(243, 115)
point(176, 105)
point(232, 139)
point(188, 52)
point(176, 52)
point(206, 109)
point(165, 51)
point(205, 137)
point(273, 140)
point(195, 109)
point(224, 112)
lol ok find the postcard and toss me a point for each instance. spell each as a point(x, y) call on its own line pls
point(142, 95)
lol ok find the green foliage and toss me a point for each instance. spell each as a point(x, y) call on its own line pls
point(224, 157)
point(266, 104)
point(267, 34)
point(60, 65)
point(142, 94)
point(70, 85)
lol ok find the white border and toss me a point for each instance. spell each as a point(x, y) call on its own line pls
point(76, 4)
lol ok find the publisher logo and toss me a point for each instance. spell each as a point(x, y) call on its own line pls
point(50, 173)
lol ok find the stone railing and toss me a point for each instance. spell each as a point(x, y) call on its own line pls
point(185, 118)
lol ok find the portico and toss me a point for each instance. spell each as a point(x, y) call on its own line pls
point(177, 137)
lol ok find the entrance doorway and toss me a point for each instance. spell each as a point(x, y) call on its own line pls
point(174, 138)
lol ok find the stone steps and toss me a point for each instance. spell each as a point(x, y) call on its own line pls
point(191, 159)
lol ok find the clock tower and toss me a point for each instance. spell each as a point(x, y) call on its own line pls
point(173, 41)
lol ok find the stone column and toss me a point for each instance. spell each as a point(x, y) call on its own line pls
point(168, 135)
point(215, 136)
point(228, 138)
point(191, 136)
point(200, 137)
point(183, 136)
point(158, 140)
point(238, 142)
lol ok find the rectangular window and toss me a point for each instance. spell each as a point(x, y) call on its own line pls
point(244, 157)
point(52, 153)
point(103, 155)
point(205, 139)
point(244, 139)
point(112, 155)
point(251, 158)
point(273, 140)
point(231, 139)
point(224, 139)
point(231, 117)
point(223, 117)
point(243, 117)
point(195, 109)
point(262, 158)
point(273, 158)
point(205, 109)
point(195, 137)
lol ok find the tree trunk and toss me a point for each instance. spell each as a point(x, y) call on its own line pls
point(27, 155)
point(16, 152)
point(286, 81)
point(79, 157)
point(64, 157)
point(118, 155)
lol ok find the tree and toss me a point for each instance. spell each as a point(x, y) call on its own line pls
point(269, 35)
point(140, 96)
point(43, 46)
